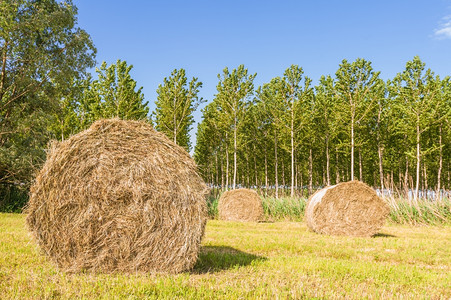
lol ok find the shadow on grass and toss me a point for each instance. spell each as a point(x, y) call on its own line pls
point(378, 235)
point(218, 258)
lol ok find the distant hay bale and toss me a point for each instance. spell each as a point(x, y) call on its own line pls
point(119, 197)
point(349, 208)
point(240, 205)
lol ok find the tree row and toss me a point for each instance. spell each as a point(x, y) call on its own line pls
point(288, 136)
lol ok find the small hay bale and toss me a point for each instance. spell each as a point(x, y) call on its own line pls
point(119, 197)
point(240, 205)
point(349, 208)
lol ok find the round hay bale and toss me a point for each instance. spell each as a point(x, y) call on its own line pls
point(119, 197)
point(240, 205)
point(348, 208)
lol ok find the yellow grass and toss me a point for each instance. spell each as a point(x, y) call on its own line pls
point(252, 260)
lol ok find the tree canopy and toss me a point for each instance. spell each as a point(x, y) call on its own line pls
point(176, 101)
point(393, 134)
point(42, 53)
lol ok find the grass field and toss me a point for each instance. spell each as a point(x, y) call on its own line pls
point(252, 260)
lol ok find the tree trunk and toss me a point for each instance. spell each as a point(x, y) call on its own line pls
point(302, 185)
point(227, 164)
point(62, 130)
point(222, 170)
point(360, 165)
point(347, 175)
point(248, 179)
point(337, 170)
point(296, 175)
point(255, 168)
point(417, 185)
point(327, 162)
point(217, 169)
point(381, 170)
point(440, 162)
point(448, 177)
point(406, 180)
point(292, 153)
point(379, 148)
point(310, 172)
point(352, 146)
point(175, 120)
point(283, 177)
point(3, 74)
point(399, 178)
point(234, 153)
point(425, 188)
point(275, 165)
point(266, 175)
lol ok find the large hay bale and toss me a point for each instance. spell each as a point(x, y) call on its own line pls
point(119, 197)
point(240, 205)
point(349, 208)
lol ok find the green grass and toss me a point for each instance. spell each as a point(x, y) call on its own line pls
point(251, 260)
point(421, 212)
point(288, 209)
point(282, 209)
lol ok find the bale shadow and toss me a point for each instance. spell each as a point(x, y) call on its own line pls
point(386, 235)
point(218, 258)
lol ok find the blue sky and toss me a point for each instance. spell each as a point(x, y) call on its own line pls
point(267, 37)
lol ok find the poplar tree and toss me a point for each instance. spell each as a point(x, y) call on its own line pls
point(117, 93)
point(114, 94)
point(355, 85)
point(234, 89)
point(176, 102)
point(416, 91)
point(269, 96)
point(326, 119)
point(444, 129)
point(289, 106)
point(264, 96)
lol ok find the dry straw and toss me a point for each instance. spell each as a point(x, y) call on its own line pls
point(240, 205)
point(349, 208)
point(119, 197)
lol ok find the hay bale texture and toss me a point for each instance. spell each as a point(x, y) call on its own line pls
point(240, 205)
point(119, 197)
point(350, 208)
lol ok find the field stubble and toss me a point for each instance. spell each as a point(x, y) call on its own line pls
point(252, 260)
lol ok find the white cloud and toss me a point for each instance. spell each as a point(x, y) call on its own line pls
point(444, 30)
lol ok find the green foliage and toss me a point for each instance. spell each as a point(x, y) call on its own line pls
point(114, 95)
point(176, 102)
point(42, 53)
point(356, 86)
point(12, 198)
point(212, 206)
point(417, 107)
point(227, 113)
point(353, 125)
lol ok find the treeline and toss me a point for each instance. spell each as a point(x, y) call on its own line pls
point(288, 136)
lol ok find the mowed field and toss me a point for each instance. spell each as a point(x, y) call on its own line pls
point(251, 260)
